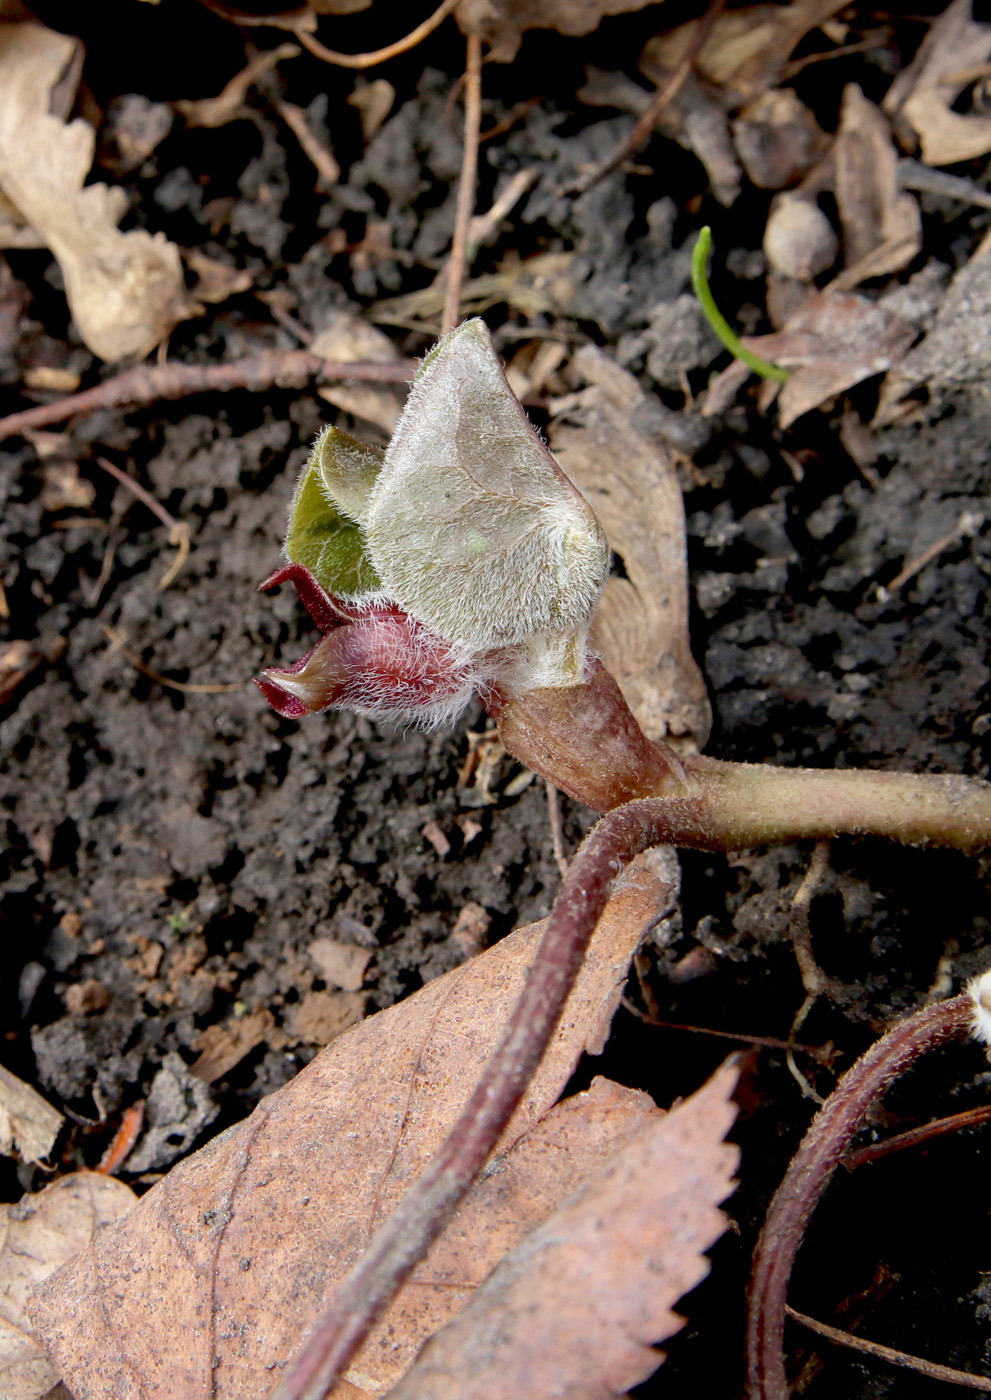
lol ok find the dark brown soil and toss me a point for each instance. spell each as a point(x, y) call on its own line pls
point(182, 849)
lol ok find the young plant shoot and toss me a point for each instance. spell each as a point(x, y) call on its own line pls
point(464, 561)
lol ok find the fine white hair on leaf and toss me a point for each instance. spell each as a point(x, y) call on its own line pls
point(979, 989)
point(472, 525)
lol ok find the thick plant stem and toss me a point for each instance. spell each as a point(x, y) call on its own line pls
point(428, 1205)
point(585, 740)
point(811, 1169)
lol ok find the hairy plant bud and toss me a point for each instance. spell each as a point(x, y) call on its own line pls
point(472, 524)
point(462, 560)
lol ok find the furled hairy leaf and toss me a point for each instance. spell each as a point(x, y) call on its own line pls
point(473, 526)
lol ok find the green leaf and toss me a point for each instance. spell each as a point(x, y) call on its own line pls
point(323, 534)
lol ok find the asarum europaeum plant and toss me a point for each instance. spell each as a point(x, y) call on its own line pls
point(462, 560)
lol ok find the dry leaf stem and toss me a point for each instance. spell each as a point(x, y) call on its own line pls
point(146, 384)
point(811, 1169)
point(457, 260)
point(376, 56)
point(427, 1206)
point(659, 104)
point(932, 1369)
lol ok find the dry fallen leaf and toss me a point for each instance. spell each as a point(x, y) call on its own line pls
point(269, 1216)
point(641, 628)
point(742, 57)
point(340, 965)
point(516, 1194)
point(349, 337)
point(882, 226)
point(125, 290)
point(923, 95)
point(225, 1045)
point(501, 22)
point(577, 1308)
point(28, 1123)
point(833, 341)
point(36, 1236)
point(745, 51)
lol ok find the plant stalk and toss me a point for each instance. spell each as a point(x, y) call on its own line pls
point(585, 741)
point(426, 1208)
point(811, 1169)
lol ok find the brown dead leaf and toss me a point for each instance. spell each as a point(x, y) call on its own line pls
point(349, 337)
point(516, 1195)
point(339, 964)
point(778, 139)
point(216, 280)
point(36, 1236)
point(374, 100)
point(834, 340)
point(742, 58)
point(641, 628)
point(28, 1123)
point(125, 290)
point(322, 1016)
point(882, 226)
point(745, 51)
point(270, 1215)
point(223, 1046)
point(577, 1308)
point(501, 23)
point(922, 99)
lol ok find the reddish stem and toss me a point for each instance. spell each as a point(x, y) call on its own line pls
point(426, 1208)
point(810, 1171)
point(291, 369)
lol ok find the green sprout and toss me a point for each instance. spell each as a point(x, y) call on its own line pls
point(716, 319)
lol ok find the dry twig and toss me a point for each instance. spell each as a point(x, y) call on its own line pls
point(662, 100)
point(188, 687)
point(146, 384)
point(925, 1132)
point(466, 188)
point(932, 1369)
point(178, 529)
point(369, 60)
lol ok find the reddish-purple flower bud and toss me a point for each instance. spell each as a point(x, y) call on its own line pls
point(373, 659)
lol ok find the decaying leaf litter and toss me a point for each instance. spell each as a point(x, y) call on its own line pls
point(795, 537)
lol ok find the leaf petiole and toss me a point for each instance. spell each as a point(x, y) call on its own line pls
point(716, 319)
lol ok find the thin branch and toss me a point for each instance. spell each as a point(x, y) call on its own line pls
point(320, 156)
point(188, 687)
point(466, 189)
point(146, 384)
point(659, 105)
point(369, 60)
point(557, 828)
point(925, 1132)
point(178, 529)
point(428, 1205)
point(932, 1369)
point(811, 1170)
